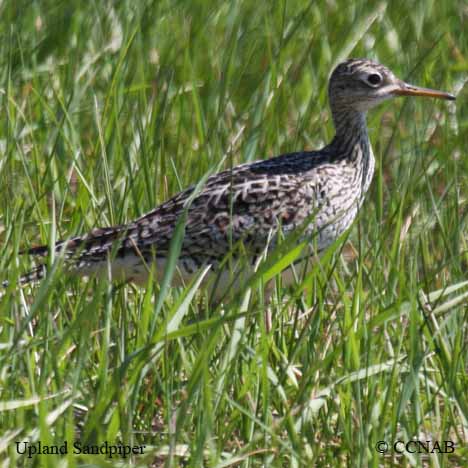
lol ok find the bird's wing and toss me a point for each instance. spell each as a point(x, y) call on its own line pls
point(245, 203)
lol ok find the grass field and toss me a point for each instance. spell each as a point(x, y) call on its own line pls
point(109, 108)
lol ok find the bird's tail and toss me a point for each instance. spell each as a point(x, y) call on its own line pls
point(32, 276)
point(83, 252)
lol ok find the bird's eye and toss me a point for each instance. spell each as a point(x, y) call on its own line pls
point(374, 79)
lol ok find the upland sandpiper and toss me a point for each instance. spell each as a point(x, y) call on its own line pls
point(317, 193)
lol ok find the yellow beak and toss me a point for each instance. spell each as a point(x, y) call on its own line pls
point(406, 89)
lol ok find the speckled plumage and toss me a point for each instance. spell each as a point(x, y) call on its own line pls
point(252, 202)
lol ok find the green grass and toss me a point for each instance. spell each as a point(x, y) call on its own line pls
point(109, 108)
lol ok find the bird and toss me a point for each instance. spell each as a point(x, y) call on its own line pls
point(317, 193)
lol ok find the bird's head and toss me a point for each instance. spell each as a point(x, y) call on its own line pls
point(360, 84)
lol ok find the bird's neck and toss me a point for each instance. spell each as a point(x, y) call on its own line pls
point(351, 145)
point(351, 140)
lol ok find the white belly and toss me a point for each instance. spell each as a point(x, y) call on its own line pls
point(221, 283)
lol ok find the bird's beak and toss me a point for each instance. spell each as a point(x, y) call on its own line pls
point(405, 89)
